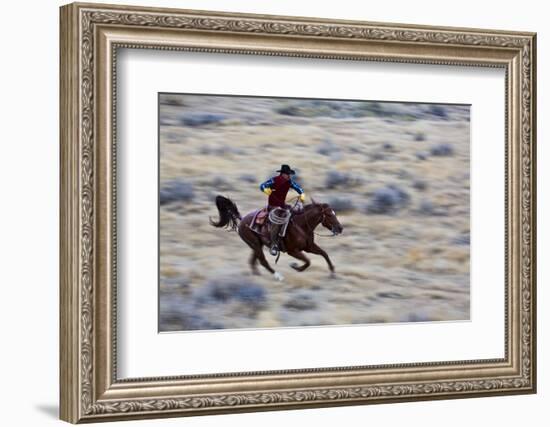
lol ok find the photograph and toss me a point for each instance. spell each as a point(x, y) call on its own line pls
point(295, 212)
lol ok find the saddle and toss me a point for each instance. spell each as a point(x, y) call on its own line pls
point(263, 220)
point(260, 217)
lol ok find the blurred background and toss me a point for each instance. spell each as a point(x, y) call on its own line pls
point(397, 175)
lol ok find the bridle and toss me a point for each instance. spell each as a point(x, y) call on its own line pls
point(320, 222)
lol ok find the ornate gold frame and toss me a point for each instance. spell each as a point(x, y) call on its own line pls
point(90, 36)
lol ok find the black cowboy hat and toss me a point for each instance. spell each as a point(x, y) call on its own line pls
point(286, 169)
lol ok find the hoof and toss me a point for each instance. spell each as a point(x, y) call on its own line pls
point(295, 266)
point(256, 272)
point(333, 275)
point(278, 276)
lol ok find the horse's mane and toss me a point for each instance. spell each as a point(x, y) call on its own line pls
point(310, 206)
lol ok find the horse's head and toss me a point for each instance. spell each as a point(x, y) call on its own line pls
point(329, 219)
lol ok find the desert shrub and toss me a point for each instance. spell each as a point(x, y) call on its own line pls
point(387, 200)
point(327, 147)
point(300, 302)
point(172, 99)
point(428, 208)
point(442, 150)
point(209, 306)
point(378, 155)
point(419, 136)
point(176, 313)
point(319, 108)
point(372, 108)
point(201, 119)
point(336, 179)
point(247, 177)
point(388, 110)
point(417, 316)
point(180, 284)
point(341, 204)
point(219, 183)
point(288, 110)
point(176, 191)
point(390, 295)
point(420, 185)
point(226, 290)
point(463, 239)
point(438, 110)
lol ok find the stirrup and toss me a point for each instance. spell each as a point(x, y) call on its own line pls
point(274, 250)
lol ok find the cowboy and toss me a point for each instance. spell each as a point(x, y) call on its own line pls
point(277, 188)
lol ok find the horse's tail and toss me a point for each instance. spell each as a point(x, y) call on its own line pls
point(229, 214)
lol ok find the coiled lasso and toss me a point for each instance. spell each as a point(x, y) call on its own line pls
point(276, 219)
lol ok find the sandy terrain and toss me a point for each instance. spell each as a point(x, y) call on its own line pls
point(397, 176)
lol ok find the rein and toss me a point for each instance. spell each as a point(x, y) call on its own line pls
point(324, 235)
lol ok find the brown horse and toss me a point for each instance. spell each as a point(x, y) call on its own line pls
point(299, 235)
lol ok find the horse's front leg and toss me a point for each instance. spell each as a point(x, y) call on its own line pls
point(314, 249)
point(299, 255)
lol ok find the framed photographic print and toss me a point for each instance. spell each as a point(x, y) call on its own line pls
point(267, 212)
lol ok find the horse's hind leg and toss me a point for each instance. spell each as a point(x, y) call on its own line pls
point(261, 257)
point(254, 263)
point(299, 255)
point(263, 261)
point(254, 242)
point(314, 249)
